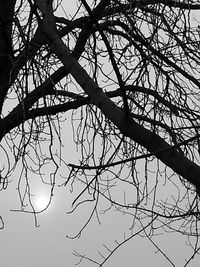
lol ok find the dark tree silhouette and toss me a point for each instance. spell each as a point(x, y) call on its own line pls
point(127, 74)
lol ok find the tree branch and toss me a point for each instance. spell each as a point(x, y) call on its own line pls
point(150, 140)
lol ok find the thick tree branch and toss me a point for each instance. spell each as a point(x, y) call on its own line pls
point(151, 141)
point(6, 55)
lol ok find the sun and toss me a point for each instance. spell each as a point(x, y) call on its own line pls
point(41, 202)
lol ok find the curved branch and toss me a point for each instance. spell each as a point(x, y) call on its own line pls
point(150, 140)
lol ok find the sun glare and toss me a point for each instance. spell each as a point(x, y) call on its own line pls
point(41, 202)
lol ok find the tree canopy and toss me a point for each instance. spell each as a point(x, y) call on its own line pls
point(123, 75)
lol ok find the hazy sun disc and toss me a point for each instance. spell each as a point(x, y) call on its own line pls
point(41, 202)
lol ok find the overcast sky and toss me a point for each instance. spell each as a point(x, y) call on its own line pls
point(24, 245)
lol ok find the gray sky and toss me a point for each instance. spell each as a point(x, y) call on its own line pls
point(24, 245)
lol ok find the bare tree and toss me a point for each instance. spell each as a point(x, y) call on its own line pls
point(127, 74)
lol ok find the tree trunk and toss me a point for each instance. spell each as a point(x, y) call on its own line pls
point(6, 53)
